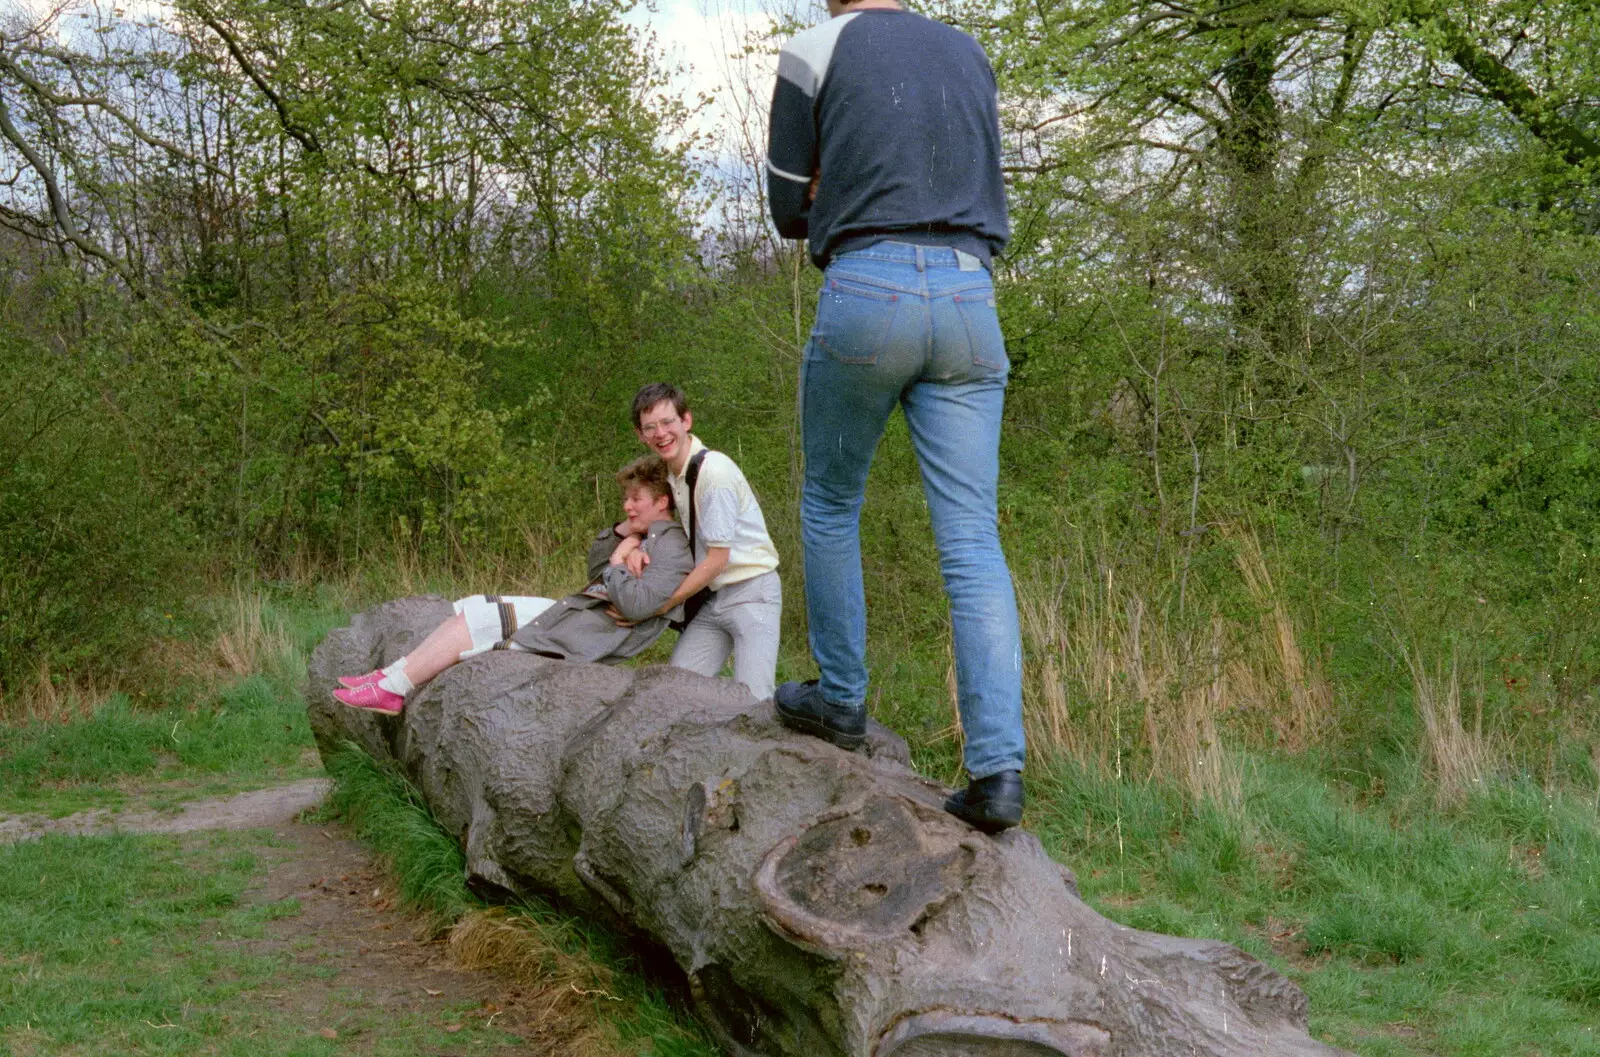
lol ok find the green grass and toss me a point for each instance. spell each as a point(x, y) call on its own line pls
point(252, 733)
point(389, 815)
point(1413, 932)
point(118, 945)
point(193, 741)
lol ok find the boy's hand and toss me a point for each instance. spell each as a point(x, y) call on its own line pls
point(636, 560)
point(625, 549)
point(616, 615)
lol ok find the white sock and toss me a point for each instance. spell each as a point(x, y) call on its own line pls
point(395, 680)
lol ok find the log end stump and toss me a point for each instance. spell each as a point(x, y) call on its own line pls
point(819, 902)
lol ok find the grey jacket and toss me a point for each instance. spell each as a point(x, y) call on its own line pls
point(577, 628)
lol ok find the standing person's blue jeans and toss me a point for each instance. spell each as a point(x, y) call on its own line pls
point(913, 325)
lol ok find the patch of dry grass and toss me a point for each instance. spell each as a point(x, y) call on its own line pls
point(51, 697)
point(563, 991)
point(1116, 684)
point(1117, 690)
point(1291, 692)
point(1456, 758)
point(249, 640)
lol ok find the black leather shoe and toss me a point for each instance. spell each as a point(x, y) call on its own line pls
point(802, 707)
point(989, 804)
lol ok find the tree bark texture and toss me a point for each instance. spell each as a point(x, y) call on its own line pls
point(819, 902)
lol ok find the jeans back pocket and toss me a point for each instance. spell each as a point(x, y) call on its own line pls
point(853, 320)
point(982, 320)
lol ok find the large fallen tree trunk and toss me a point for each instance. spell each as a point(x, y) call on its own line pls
point(820, 902)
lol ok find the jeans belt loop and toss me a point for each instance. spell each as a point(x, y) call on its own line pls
point(922, 264)
point(967, 261)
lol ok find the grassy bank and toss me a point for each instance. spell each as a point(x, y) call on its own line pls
point(217, 709)
point(1413, 931)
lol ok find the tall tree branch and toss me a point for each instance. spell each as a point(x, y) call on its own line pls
point(59, 208)
point(304, 136)
point(1506, 87)
point(101, 102)
point(1351, 52)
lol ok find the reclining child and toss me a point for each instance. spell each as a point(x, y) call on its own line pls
point(610, 620)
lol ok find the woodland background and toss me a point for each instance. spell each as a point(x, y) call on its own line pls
point(1301, 469)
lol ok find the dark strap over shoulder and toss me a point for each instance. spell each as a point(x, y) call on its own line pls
point(692, 475)
point(692, 604)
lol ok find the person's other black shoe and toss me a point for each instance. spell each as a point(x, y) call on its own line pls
point(989, 804)
point(802, 707)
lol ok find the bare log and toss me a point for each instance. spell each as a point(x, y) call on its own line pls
point(819, 902)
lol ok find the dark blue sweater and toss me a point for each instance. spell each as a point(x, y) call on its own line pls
point(900, 115)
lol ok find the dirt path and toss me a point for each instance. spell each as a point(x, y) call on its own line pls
point(254, 810)
point(365, 954)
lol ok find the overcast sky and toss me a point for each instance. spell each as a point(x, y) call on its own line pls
point(706, 37)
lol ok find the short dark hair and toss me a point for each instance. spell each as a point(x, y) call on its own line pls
point(647, 472)
point(650, 395)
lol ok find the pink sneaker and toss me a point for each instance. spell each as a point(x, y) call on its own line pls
point(350, 682)
point(371, 697)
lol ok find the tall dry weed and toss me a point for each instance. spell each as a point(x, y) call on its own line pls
point(1594, 765)
point(1183, 689)
point(1457, 759)
point(341, 582)
point(1144, 691)
point(1275, 676)
point(952, 731)
point(1113, 681)
point(250, 641)
point(1196, 753)
point(398, 568)
point(50, 698)
point(1070, 659)
point(547, 564)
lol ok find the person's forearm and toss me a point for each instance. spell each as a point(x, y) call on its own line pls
point(791, 157)
point(698, 577)
point(638, 598)
point(790, 204)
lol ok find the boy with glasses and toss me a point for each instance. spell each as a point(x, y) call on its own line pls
point(735, 561)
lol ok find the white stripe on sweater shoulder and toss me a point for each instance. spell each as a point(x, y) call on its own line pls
point(804, 60)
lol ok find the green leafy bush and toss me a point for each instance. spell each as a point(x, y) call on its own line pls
point(91, 554)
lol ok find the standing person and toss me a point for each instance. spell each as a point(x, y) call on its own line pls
point(735, 560)
point(885, 155)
